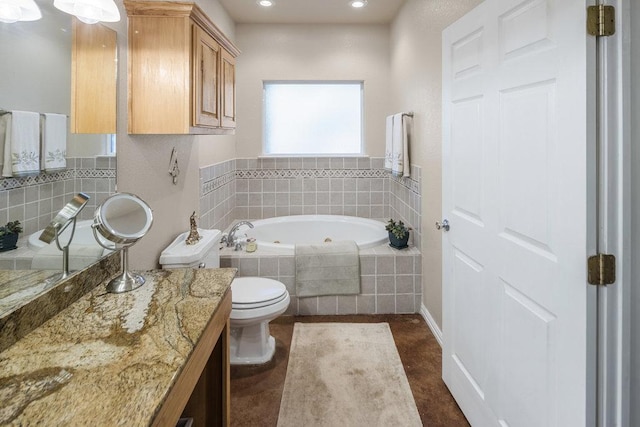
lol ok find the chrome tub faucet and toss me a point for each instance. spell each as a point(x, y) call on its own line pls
point(230, 239)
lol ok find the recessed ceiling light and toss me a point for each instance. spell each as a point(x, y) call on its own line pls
point(265, 3)
point(358, 3)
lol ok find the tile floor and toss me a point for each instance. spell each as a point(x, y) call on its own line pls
point(256, 391)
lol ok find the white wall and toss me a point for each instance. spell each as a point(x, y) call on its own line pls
point(312, 52)
point(143, 160)
point(635, 214)
point(416, 85)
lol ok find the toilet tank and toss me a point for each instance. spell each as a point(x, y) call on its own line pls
point(204, 254)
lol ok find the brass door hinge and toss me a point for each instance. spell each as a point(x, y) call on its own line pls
point(602, 269)
point(601, 20)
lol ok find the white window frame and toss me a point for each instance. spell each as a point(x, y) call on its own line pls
point(312, 82)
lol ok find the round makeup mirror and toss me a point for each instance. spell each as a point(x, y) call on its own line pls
point(123, 219)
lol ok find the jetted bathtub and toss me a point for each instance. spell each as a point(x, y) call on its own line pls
point(286, 231)
point(390, 279)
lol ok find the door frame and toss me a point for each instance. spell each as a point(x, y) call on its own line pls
point(614, 220)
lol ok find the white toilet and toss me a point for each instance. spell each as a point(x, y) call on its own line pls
point(255, 300)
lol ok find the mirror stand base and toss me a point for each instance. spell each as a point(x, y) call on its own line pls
point(125, 282)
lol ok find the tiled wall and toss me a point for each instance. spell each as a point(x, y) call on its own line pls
point(268, 187)
point(218, 195)
point(390, 282)
point(294, 186)
point(405, 201)
point(35, 200)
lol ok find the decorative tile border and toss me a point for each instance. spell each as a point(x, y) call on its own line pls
point(310, 173)
point(217, 182)
point(408, 183)
point(50, 177)
point(95, 173)
point(43, 178)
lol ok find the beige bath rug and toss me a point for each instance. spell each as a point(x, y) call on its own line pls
point(345, 374)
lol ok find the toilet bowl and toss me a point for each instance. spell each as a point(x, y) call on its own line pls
point(255, 301)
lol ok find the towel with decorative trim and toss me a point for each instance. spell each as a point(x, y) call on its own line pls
point(397, 145)
point(54, 141)
point(20, 143)
point(388, 152)
point(331, 268)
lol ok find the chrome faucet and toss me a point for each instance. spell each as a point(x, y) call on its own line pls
point(231, 237)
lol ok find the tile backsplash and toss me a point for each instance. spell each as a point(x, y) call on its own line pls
point(259, 188)
point(35, 200)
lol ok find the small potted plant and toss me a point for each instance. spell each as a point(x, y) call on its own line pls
point(398, 234)
point(9, 235)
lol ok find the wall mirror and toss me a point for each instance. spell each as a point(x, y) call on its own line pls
point(123, 219)
point(36, 75)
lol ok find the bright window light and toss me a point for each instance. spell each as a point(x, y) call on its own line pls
point(312, 118)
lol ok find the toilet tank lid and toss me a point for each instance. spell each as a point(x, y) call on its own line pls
point(178, 252)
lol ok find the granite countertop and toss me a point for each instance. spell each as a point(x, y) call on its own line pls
point(18, 287)
point(110, 359)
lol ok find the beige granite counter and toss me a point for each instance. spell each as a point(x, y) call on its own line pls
point(28, 298)
point(111, 359)
point(19, 287)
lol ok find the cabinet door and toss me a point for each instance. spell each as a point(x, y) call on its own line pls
point(228, 98)
point(94, 76)
point(206, 111)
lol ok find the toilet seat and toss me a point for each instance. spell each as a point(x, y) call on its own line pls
point(256, 292)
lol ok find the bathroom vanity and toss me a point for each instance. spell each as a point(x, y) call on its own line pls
point(145, 357)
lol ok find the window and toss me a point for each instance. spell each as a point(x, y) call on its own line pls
point(312, 118)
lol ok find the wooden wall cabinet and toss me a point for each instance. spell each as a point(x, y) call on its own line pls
point(181, 71)
point(93, 78)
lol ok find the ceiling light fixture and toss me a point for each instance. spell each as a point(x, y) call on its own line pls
point(357, 4)
point(19, 10)
point(265, 3)
point(90, 11)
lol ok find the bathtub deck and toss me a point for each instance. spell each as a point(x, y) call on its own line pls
point(391, 280)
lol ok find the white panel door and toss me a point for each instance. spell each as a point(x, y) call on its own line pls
point(518, 174)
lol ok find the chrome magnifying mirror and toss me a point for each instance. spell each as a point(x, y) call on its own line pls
point(123, 219)
point(65, 218)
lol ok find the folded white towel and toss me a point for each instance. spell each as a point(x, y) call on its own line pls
point(400, 163)
point(327, 269)
point(388, 152)
point(54, 141)
point(21, 143)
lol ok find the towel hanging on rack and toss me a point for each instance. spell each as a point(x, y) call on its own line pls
point(20, 143)
point(397, 159)
point(54, 141)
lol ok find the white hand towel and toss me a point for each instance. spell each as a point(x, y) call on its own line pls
point(54, 141)
point(388, 152)
point(400, 165)
point(21, 144)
